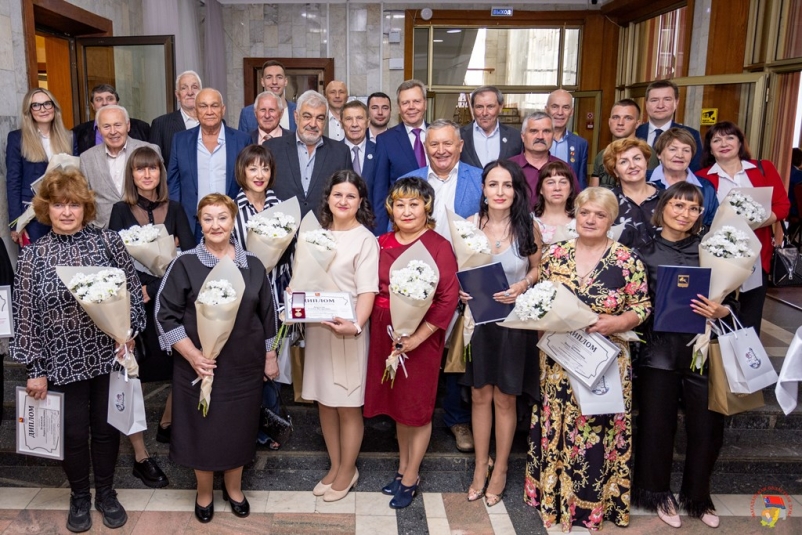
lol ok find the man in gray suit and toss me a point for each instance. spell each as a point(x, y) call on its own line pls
point(486, 139)
point(104, 165)
point(305, 161)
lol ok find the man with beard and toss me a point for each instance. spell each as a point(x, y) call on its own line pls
point(537, 134)
point(304, 161)
point(379, 108)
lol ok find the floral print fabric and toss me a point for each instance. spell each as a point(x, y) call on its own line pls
point(579, 467)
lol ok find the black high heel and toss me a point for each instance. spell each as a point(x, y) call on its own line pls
point(392, 487)
point(241, 509)
point(204, 514)
point(404, 496)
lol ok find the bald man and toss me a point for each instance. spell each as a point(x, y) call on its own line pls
point(567, 146)
point(202, 158)
point(336, 96)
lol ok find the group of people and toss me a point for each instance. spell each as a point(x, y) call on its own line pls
point(204, 180)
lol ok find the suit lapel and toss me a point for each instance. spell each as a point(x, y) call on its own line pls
point(102, 169)
point(459, 200)
point(320, 157)
point(192, 159)
point(406, 146)
point(295, 165)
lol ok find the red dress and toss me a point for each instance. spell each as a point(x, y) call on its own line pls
point(411, 399)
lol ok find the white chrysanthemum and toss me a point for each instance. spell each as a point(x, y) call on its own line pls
point(321, 238)
point(746, 206)
point(137, 235)
point(277, 226)
point(416, 281)
point(536, 301)
point(728, 242)
point(97, 287)
point(217, 292)
point(474, 238)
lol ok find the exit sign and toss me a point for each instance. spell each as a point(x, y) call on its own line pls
point(501, 12)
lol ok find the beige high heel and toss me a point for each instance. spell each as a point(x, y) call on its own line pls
point(332, 495)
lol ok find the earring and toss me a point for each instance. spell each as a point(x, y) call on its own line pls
point(486, 201)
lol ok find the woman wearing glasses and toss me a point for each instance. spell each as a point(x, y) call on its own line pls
point(41, 135)
point(665, 378)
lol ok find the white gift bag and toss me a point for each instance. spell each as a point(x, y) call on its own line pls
point(746, 362)
point(126, 410)
point(284, 359)
point(755, 280)
point(607, 397)
point(787, 388)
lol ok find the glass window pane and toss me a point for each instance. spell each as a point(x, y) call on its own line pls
point(533, 56)
point(421, 51)
point(792, 47)
point(571, 56)
point(660, 44)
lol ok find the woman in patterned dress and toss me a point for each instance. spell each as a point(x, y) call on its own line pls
point(579, 467)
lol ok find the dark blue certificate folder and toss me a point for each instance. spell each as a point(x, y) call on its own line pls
point(482, 282)
point(676, 286)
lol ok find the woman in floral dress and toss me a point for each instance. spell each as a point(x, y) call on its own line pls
point(579, 467)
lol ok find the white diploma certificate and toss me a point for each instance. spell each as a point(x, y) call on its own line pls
point(40, 424)
point(314, 307)
point(6, 319)
point(586, 356)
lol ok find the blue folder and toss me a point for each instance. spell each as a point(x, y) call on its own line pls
point(482, 282)
point(676, 286)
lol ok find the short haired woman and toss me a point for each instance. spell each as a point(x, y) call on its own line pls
point(554, 204)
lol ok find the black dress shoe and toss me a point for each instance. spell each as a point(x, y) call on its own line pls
point(204, 514)
point(150, 473)
point(163, 434)
point(241, 509)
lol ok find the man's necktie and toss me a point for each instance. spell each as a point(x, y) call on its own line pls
point(357, 167)
point(417, 147)
point(657, 133)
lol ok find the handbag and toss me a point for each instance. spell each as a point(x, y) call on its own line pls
point(786, 267)
point(719, 397)
point(297, 361)
point(455, 359)
point(126, 406)
point(745, 360)
point(276, 425)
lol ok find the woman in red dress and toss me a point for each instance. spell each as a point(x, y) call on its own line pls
point(410, 399)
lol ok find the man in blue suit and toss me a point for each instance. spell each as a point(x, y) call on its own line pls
point(273, 79)
point(363, 151)
point(457, 187)
point(400, 150)
point(662, 99)
point(567, 146)
point(202, 159)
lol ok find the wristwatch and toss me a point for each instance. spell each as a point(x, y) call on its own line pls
point(358, 328)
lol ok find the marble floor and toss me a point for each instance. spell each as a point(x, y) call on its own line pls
point(43, 511)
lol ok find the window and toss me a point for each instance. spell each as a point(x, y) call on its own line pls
point(660, 47)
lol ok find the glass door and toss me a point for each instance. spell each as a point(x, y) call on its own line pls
point(141, 69)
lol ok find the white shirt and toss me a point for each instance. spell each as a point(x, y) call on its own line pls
point(488, 147)
point(652, 128)
point(212, 166)
point(411, 137)
point(284, 122)
point(46, 145)
point(336, 131)
point(117, 167)
point(361, 150)
point(726, 182)
point(189, 122)
point(445, 194)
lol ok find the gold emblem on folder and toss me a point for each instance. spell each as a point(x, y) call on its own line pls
point(683, 281)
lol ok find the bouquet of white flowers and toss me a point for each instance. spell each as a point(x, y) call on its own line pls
point(549, 306)
point(728, 242)
point(314, 253)
point(752, 205)
point(470, 244)
point(746, 206)
point(151, 246)
point(413, 282)
point(271, 231)
point(216, 306)
point(102, 293)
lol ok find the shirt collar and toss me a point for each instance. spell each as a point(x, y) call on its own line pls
point(663, 128)
point(299, 143)
point(122, 151)
point(478, 129)
point(658, 175)
point(717, 170)
point(277, 132)
point(221, 135)
point(431, 175)
point(185, 116)
point(410, 128)
point(209, 260)
point(361, 145)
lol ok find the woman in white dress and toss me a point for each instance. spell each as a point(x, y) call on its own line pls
point(337, 351)
point(554, 206)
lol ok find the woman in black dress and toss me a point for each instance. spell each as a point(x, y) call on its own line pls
point(225, 439)
point(145, 201)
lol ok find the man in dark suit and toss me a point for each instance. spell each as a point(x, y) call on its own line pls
point(363, 150)
point(305, 160)
point(400, 149)
point(202, 159)
point(273, 79)
point(187, 87)
point(662, 99)
point(379, 109)
point(485, 139)
point(567, 146)
point(86, 135)
point(269, 108)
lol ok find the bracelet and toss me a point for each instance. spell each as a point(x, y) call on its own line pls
point(529, 283)
point(358, 328)
point(432, 329)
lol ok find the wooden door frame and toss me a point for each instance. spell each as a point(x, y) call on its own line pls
point(251, 67)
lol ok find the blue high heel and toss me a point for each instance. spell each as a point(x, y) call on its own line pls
point(404, 496)
point(392, 487)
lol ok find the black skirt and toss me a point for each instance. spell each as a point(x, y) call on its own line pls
point(506, 358)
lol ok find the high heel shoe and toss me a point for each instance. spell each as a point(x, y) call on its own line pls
point(204, 514)
point(241, 509)
point(710, 519)
point(494, 499)
point(474, 494)
point(321, 488)
point(332, 495)
point(404, 496)
point(392, 487)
